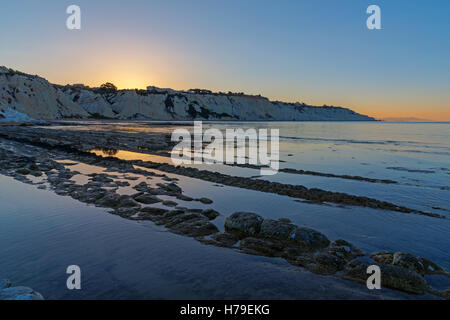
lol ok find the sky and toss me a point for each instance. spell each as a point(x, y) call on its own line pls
point(317, 52)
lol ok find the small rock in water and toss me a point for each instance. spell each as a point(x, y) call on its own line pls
point(205, 200)
point(169, 203)
point(210, 214)
point(172, 187)
point(147, 199)
point(184, 198)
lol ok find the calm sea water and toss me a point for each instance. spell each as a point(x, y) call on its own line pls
point(42, 233)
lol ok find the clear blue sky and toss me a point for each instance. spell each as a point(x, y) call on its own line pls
point(319, 52)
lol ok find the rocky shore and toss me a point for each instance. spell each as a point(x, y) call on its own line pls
point(8, 292)
point(78, 144)
point(45, 158)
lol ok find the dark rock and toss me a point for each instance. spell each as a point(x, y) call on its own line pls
point(172, 187)
point(23, 171)
point(327, 263)
point(384, 257)
point(153, 211)
point(393, 277)
point(276, 229)
point(344, 250)
point(245, 223)
point(407, 261)
point(147, 199)
point(36, 173)
point(101, 178)
point(210, 214)
point(191, 224)
point(183, 217)
point(309, 239)
point(169, 203)
point(128, 201)
point(429, 267)
point(205, 200)
point(184, 197)
point(110, 200)
point(125, 212)
point(143, 187)
point(225, 239)
point(262, 246)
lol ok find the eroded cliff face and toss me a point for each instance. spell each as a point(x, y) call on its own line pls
point(37, 98)
point(163, 104)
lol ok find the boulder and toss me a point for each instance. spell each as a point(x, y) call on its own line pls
point(393, 277)
point(276, 229)
point(407, 261)
point(309, 239)
point(245, 223)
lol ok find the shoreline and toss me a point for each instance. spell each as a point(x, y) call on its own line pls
point(316, 257)
point(79, 143)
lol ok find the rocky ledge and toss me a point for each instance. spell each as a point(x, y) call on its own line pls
point(76, 143)
point(246, 232)
point(8, 292)
point(308, 248)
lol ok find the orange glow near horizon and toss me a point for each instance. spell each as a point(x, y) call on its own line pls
point(222, 46)
point(135, 75)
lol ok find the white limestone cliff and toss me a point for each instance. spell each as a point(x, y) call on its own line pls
point(38, 99)
point(35, 97)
